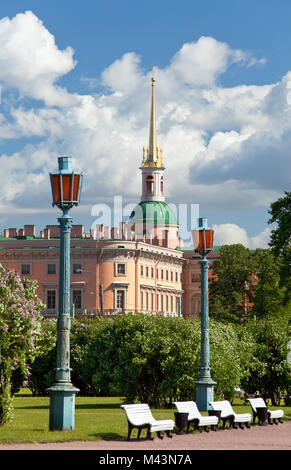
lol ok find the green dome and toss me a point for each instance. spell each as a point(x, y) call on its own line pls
point(153, 212)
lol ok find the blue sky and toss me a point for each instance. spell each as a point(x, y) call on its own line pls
point(223, 109)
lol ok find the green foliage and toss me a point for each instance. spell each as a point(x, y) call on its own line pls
point(82, 333)
point(230, 357)
point(269, 369)
point(280, 241)
point(20, 332)
point(156, 360)
point(42, 370)
point(269, 296)
point(230, 288)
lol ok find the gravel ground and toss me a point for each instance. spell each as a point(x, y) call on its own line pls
point(275, 437)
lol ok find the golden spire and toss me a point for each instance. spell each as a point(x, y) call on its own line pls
point(153, 131)
point(152, 159)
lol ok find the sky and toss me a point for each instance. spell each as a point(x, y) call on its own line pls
point(75, 79)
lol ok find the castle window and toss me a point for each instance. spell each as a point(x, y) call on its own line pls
point(150, 184)
point(77, 269)
point(120, 269)
point(77, 299)
point(25, 269)
point(51, 299)
point(120, 299)
point(51, 269)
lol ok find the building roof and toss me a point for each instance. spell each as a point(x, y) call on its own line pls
point(153, 212)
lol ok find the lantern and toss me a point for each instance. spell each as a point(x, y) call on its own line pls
point(203, 237)
point(66, 184)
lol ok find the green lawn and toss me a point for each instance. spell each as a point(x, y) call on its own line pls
point(95, 418)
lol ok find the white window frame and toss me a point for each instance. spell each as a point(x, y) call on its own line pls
point(116, 264)
point(124, 289)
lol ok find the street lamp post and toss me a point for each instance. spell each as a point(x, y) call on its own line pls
point(203, 244)
point(66, 187)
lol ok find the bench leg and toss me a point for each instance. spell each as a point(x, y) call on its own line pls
point(149, 435)
point(168, 433)
point(241, 425)
point(130, 427)
point(248, 425)
point(138, 434)
point(280, 420)
point(160, 435)
point(206, 428)
point(214, 427)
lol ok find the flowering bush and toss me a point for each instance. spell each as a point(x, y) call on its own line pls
point(21, 336)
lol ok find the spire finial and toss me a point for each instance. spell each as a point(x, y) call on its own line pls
point(152, 157)
point(153, 133)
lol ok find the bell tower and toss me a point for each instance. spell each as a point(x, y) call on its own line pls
point(152, 166)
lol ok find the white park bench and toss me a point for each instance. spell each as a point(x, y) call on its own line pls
point(272, 415)
point(227, 414)
point(140, 416)
point(194, 416)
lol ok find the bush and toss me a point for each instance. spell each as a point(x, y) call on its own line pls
point(156, 360)
point(42, 370)
point(269, 370)
point(153, 359)
point(20, 332)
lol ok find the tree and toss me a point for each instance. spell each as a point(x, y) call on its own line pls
point(20, 332)
point(231, 286)
point(280, 240)
point(156, 360)
point(268, 294)
point(269, 370)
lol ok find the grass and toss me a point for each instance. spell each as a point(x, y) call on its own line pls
point(96, 418)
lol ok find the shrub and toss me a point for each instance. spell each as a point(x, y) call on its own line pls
point(269, 371)
point(156, 360)
point(20, 332)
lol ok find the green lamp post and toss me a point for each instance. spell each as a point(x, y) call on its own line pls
point(203, 244)
point(66, 187)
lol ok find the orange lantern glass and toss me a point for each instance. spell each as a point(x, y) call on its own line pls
point(203, 237)
point(66, 184)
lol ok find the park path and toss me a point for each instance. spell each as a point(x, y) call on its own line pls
point(275, 437)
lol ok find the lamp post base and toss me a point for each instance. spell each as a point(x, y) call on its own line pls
point(204, 394)
point(62, 407)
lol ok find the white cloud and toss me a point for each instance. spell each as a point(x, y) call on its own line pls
point(124, 74)
point(228, 234)
point(219, 144)
point(31, 62)
point(200, 63)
